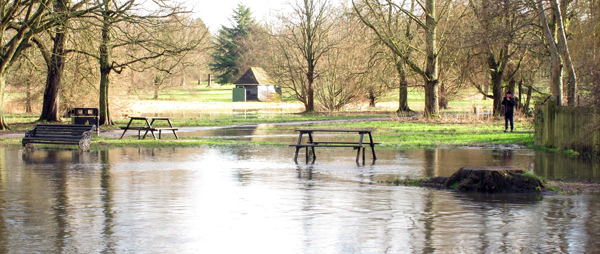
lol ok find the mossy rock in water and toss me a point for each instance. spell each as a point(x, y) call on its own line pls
point(493, 180)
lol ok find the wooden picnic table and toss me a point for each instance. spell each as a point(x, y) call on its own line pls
point(311, 143)
point(148, 121)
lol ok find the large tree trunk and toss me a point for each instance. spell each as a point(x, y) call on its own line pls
point(105, 69)
point(443, 97)
point(29, 102)
point(372, 99)
point(526, 106)
point(3, 125)
point(104, 106)
point(497, 68)
point(431, 72)
point(310, 90)
point(403, 89)
point(497, 91)
point(50, 111)
point(431, 98)
point(556, 86)
point(566, 56)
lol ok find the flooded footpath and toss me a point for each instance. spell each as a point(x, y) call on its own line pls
point(241, 199)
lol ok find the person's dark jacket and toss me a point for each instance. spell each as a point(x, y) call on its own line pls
point(509, 104)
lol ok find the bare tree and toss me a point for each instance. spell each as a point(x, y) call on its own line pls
point(125, 38)
point(168, 67)
point(376, 15)
point(502, 30)
point(55, 59)
point(558, 48)
point(349, 65)
point(26, 76)
point(303, 43)
point(20, 21)
point(383, 77)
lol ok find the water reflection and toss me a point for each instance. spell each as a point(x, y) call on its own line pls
point(560, 166)
point(250, 198)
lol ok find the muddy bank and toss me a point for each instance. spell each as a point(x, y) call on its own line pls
point(568, 187)
point(573, 187)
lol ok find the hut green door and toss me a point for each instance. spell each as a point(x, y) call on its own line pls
point(239, 94)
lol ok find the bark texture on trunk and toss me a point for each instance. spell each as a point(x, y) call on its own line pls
point(556, 84)
point(563, 48)
point(431, 72)
point(403, 89)
point(50, 107)
point(310, 90)
point(3, 125)
point(105, 70)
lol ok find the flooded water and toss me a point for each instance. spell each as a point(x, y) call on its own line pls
point(255, 199)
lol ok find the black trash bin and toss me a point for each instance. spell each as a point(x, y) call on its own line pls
point(87, 116)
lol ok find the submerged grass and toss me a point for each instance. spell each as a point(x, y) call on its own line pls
point(101, 143)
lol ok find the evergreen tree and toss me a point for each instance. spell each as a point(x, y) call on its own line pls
point(229, 51)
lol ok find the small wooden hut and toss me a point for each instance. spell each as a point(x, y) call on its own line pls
point(258, 85)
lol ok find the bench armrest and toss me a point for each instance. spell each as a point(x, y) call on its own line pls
point(29, 133)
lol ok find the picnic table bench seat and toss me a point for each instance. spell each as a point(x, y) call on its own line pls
point(160, 129)
point(60, 134)
point(139, 129)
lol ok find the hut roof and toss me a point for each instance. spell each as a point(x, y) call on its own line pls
point(255, 76)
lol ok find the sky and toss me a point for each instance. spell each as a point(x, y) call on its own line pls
point(216, 13)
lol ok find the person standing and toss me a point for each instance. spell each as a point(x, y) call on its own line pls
point(509, 109)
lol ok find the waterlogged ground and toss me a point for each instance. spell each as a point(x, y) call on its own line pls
point(255, 199)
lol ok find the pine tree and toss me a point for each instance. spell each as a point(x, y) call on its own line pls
point(228, 53)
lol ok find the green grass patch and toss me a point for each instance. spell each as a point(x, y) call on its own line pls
point(554, 189)
point(534, 176)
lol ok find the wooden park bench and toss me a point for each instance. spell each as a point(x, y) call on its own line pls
point(60, 134)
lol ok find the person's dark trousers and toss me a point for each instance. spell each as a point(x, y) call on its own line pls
point(508, 117)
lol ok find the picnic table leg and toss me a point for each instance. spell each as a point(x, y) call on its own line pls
point(360, 141)
point(364, 148)
point(300, 138)
point(372, 146)
point(149, 128)
point(126, 128)
point(169, 120)
point(146, 133)
point(297, 147)
point(312, 148)
point(306, 153)
point(296, 156)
